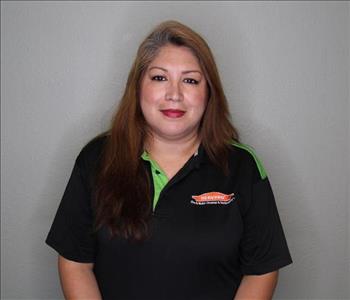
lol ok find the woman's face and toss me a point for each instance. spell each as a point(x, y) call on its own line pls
point(173, 94)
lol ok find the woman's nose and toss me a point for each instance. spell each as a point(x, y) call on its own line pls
point(174, 92)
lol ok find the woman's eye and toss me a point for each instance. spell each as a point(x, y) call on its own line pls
point(191, 80)
point(158, 78)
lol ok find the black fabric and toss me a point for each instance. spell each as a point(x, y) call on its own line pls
point(196, 251)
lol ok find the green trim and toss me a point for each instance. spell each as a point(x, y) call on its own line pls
point(258, 162)
point(159, 178)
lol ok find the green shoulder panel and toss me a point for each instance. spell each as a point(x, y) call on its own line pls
point(251, 151)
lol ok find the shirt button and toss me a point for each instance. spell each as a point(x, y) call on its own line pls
point(157, 172)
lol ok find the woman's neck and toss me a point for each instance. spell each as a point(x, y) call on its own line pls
point(171, 155)
point(163, 149)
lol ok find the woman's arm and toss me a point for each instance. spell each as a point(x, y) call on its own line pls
point(258, 287)
point(78, 280)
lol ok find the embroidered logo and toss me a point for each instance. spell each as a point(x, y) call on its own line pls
point(213, 198)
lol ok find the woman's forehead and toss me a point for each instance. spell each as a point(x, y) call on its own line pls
point(171, 54)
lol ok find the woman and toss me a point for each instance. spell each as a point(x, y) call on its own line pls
point(168, 204)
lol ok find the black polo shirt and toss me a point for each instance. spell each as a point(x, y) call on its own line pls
point(208, 230)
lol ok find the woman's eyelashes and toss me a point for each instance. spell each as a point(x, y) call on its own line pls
point(191, 80)
point(158, 78)
point(163, 78)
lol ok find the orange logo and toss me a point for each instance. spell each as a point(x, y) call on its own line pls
point(213, 198)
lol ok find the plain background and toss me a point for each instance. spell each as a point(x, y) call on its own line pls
point(285, 70)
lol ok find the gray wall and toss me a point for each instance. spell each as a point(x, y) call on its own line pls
point(285, 69)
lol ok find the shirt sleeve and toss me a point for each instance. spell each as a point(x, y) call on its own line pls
point(263, 247)
point(71, 233)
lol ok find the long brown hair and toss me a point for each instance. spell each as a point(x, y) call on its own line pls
point(122, 201)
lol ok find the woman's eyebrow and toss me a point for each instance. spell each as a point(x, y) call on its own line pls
point(183, 72)
point(192, 71)
point(151, 68)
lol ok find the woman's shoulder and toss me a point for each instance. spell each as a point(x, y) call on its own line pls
point(92, 151)
point(247, 155)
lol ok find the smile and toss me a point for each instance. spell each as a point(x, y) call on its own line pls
point(173, 113)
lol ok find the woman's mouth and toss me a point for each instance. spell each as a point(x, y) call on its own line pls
point(173, 113)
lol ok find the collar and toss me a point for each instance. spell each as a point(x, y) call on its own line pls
point(199, 156)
